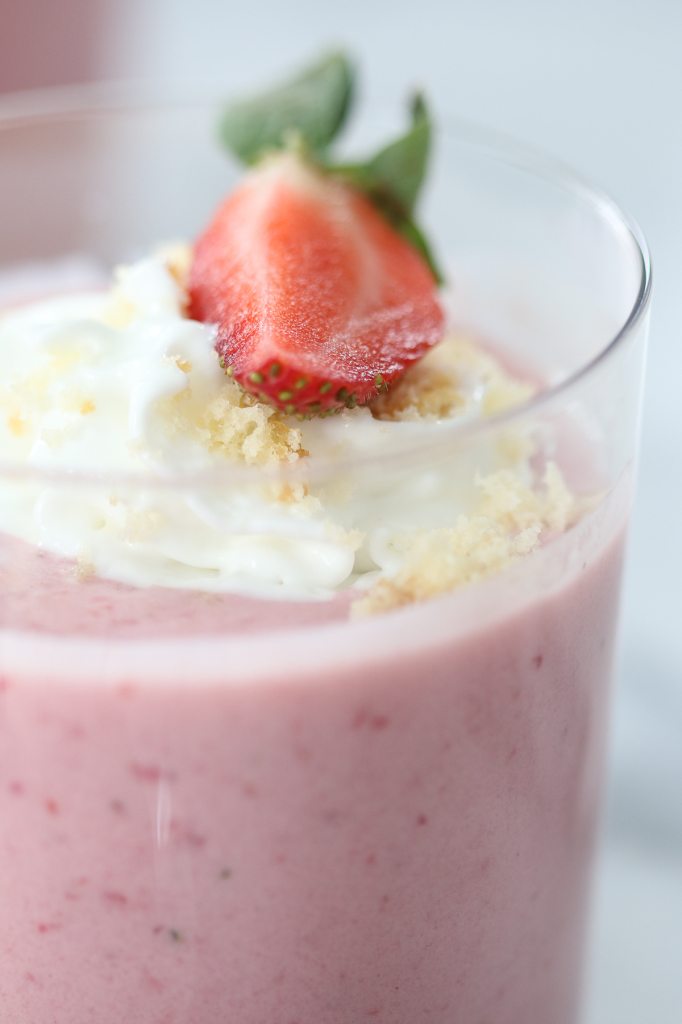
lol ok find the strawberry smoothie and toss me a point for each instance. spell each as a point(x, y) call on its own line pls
point(308, 590)
point(383, 820)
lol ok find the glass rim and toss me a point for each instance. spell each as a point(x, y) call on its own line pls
point(62, 104)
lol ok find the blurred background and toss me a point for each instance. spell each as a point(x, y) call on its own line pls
point(599, 84)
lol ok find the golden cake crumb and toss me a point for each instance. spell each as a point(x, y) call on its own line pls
point(84, 569)
point(290, 493)
point(177, 257)
point(16, 424)
point(233, 425)
point(250, 431)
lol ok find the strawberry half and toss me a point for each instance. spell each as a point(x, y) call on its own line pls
point(319, 302)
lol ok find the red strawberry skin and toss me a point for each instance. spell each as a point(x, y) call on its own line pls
point(318, 302)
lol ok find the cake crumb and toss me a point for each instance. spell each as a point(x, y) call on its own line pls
point(84, 569)
point(177, 258)
point(251, 432)
point(16, 424)
point(290, 493)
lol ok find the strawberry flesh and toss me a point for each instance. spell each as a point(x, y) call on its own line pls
point(319, 303)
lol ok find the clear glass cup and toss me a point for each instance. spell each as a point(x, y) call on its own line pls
point(217, 808)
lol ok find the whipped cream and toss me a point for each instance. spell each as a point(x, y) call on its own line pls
point(122, 384)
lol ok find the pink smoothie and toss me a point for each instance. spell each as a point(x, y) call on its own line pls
point(329, 823)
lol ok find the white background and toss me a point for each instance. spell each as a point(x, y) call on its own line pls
point(599, 84)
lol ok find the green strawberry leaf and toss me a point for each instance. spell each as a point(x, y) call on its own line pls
point(393, 177)
point(395, 174)
point(399, 168)
point(414, 234)
point(311, 109)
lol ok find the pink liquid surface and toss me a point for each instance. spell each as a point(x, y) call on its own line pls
point(391, 826)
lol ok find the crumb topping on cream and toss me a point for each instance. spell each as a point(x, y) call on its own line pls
point(451, 380)
point(122, 381)
point(509, 522)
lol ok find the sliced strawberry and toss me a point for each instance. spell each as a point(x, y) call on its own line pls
point(318, 301)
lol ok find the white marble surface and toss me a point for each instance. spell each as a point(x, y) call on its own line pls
point(598, 83)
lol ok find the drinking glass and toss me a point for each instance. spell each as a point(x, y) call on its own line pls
point(220, 807)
